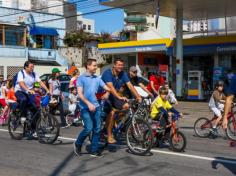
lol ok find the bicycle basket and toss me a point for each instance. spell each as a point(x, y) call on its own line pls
point(45, 100)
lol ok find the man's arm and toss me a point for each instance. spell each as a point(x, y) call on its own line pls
point(228, 104)
point(153, 87)
point(23, 86)
point(44, 86)
point(145, 89)
point(113, 90)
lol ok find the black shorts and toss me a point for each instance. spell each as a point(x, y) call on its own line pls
point(117, 103)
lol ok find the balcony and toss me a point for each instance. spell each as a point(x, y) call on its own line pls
point(13, 52)
point(135, 19)
point(42, 54)
point(46, 56)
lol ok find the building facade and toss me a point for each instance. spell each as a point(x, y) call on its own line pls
point(87, 25)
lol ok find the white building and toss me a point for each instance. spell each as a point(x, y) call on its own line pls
point(87, 25)
point(17, 4)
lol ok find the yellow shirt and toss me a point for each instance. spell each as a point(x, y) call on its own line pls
point(158, 103)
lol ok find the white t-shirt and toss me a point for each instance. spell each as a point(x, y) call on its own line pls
point(28, 79)
point(73, 98)
point(56, 87)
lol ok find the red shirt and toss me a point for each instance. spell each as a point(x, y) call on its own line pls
point(158, 81)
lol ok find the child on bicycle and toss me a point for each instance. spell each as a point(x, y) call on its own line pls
point(162, 110)
point(216, 104)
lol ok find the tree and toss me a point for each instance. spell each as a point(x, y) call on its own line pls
point(77, 39)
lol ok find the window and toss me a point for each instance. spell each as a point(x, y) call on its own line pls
point(89, 27)
point(84, 26)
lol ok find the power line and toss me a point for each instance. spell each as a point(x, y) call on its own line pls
point(98, 11)
point(39, 9)
point(84, 7)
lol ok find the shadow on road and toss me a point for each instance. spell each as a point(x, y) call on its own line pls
point(62, 165)
point(225, 162)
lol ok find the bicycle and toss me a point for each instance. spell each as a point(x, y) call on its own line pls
point(74, 119)
point(4, 116)
point(47, 126)
point(176, 138)
point(134, 129)
point(203, 125)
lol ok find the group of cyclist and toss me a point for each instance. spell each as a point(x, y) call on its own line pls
point(114, 85)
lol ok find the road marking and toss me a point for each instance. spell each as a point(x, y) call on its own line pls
point(167, 153)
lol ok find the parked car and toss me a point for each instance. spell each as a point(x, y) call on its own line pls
point(62, 77)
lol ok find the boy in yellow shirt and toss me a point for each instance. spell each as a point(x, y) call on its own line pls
point(162, 108)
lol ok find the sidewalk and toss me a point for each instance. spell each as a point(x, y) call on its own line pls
point(192, 111)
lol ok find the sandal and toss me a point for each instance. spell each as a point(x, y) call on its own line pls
point(111, 140)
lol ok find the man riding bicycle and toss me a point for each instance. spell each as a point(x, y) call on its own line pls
point(116, 79)
point(24, 84)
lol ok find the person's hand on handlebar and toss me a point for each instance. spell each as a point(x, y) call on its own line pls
point(139, 99)
point(124, 99)
point(31, 92)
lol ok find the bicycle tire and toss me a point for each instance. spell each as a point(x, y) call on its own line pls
point(231, 130)
point(43, 137)
point(140, 138)
point(14, 122)
point(173, 146)
point(206, 121)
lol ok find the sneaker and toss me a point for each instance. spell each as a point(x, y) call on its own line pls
point(96, 154)
point(166, 143)
point(77, 149)
point(65, 126)
point(214, 131)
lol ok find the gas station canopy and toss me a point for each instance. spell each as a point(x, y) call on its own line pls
point(192, 9)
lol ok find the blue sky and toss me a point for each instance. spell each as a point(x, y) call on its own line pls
point(109, 21)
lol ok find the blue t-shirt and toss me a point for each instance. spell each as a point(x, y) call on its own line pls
point(117, 81)
point(90, 85)
point(232, 87)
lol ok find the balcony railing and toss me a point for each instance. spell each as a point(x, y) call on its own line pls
point(136, 19)
point(42, 54)
point(13, 51)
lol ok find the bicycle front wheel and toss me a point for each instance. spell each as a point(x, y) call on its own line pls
point(178, 142)
point(202, 127)
point(139, 136)
point(47, 129)
point(231, 130)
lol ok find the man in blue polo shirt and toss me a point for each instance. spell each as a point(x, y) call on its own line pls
point(231, 93)
point(116, 80)
point(88, 85)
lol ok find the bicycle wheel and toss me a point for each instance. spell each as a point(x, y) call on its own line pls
point(47, 129)
point(231, 130)
point(178, 142)
point(202, 127)
point(139, 136)
point(15, 127)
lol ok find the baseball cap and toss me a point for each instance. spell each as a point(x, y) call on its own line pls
point(133, 69)
point(55, 70)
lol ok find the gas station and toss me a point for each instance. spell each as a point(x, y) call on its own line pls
point(180, 53)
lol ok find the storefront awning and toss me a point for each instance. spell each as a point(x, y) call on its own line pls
point(43, 31)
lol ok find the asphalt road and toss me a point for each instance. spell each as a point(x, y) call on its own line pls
point(210, 157)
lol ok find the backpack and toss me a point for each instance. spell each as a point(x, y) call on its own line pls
point(14, 80)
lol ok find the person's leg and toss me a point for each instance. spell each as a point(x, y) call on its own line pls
point(61, 109)
point(88, 126)
point(109, 124)
point(219, 116)
point(96, 118)
point(23, 101)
